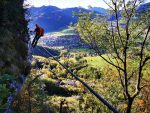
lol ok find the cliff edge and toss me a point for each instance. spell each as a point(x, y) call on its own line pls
point(14, 38)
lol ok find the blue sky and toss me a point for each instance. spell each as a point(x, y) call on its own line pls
point(69, 3)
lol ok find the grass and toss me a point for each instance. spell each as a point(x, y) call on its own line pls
point(96, 61)
point(80, 50)
point(64, 32)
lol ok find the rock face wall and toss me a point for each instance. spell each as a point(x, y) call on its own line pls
point(14, 65)
point(13, 37)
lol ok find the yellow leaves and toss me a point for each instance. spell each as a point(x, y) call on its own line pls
point(47, 72)
point(71, 100)
point(79, 85)
point(124, 106)
point(140, 102)
point(110, 72)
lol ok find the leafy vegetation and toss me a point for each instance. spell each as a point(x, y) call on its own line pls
point(64, 32)
point(63, 91)
point(117, 67)
point(119, 38)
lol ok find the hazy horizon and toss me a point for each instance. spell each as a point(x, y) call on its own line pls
point(67, 3)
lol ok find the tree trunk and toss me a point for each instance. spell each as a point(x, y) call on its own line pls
point(61, 107)
point(130, 101)
point(29, 100)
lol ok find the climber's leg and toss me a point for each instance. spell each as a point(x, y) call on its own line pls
point(36, 41)
point(33, 42)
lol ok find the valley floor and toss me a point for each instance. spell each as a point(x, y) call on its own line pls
point(50, 88)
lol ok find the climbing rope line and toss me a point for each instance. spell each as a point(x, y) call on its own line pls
point(85, 84)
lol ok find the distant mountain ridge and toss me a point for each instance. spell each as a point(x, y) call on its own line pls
point(99, 9)
point(144, 7)
point(53, 19)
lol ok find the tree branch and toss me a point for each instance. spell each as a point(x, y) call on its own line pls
point(117, 22)
point(140, 32)
point(97, 50)
point(141, 59)
point(125, 8)
point(109, 5)
point(114, 44)
point(145, 60)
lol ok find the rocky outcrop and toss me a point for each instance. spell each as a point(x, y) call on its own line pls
point(14, 65)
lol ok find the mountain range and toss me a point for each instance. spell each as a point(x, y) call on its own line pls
point(54, 19)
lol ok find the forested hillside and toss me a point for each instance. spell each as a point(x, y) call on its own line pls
point(55, 19)
point(99, 66)
point(14, 66)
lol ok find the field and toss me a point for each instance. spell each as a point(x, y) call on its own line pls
point(96, 61)
point(64, 32)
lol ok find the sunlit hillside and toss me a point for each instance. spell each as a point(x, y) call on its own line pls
point(75, 59)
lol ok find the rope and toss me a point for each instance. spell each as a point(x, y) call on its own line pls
point(85, 84)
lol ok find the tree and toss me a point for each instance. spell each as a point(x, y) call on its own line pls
point(124, 38)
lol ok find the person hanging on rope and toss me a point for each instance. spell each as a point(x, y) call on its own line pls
point(39, 33)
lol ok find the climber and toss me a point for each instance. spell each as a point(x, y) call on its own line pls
point(39, 33)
